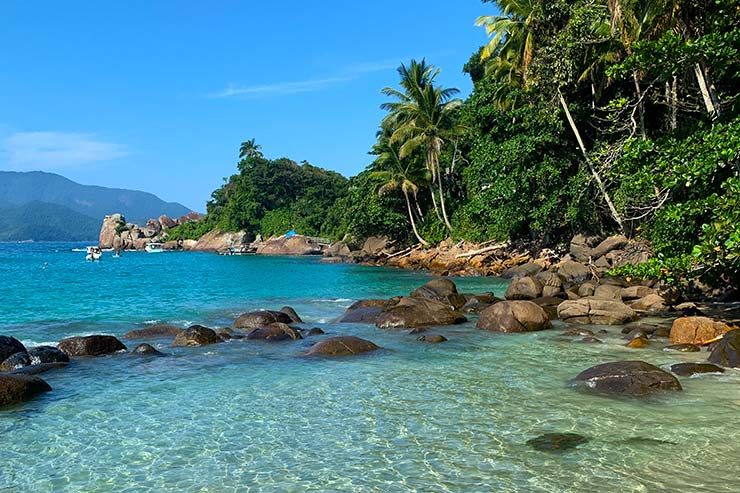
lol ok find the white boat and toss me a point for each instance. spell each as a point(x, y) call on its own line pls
point(93, 253)
point(154, 248)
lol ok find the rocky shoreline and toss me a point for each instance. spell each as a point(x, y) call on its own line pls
point(544, 301)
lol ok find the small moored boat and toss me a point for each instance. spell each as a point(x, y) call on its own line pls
point(93, 253)
point(154, 247)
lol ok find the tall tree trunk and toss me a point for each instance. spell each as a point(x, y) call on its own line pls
point(674, 103)
point(434, 202)
point(640, 104)
point(413, 223)
point(442, 200)
point(707, 92)
point(594, 172)
point(418, 208)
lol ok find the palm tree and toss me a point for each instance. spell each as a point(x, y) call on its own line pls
point(423, 119)
point(399, 174)
point(250, 149)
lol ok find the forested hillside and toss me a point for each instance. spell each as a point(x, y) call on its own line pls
point(589, 115)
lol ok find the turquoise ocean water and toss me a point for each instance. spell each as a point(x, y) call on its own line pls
point(255, 417)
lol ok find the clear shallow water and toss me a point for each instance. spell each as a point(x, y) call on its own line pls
point(244, 416)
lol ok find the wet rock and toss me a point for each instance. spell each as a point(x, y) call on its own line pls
point(635, 333)
point(275, 332)
point(146, 350)
point(342, 346)
point(442, 290)
point(524, 288)
point(697, 330)
point(155, 331)
point(365, 311)
point(432, 338)
point(95, 345)
point(9, 346)
point(726, 352)
point(595, 311)
point(591, 340)
point(261, 318)
point(15, 389)
point(227, 334)
point(514, 316)
point(47, 354)
point(294, 317)
point(315, 332)
point(688, 369)
point(418, 312)
point(661, 332)
point(683, 348)
point(573, 332)
point(626, 378)
point(557, 442)
point(638, 343)
point(550, 305)
point(38, 369)
point(15, 361)
point(196, 335)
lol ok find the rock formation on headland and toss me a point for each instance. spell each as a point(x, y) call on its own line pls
point(116, 233)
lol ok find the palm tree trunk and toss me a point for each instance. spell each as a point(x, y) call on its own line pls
point(418, 208)
point(640, 104)
point(434, 202)
point(594, 172)
point(413, 223)
point(442, 202)
point(710, 99)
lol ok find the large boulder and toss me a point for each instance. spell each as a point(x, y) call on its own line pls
point(95, 345)
point(342, 346)
point(375, 245)
point(442, 290)
point(608, 245)
point(652, 303)
point(365, 311)
point(9, 346)
point(261, 318)
point(689, 369)
point(524, 288)
point(574, 272)
point(217, 241)
point(41, 355)
point(292, 245)
point(15, 389)
point(726, 352)
point(514, 316)
point(110, 229)
point(275, 332)
point(166, 222)
point(146, 350)
point(550, 305)
point(155, 331)
point(626, 378)
point(528, 269)
point(608, 292)
point(595, 311)
point(552, 283)
point(196, 335)
point(294, 317)
point(418, 312)
point(637, 292)
point(697, 330)
point(581, 247)
point(15, 361)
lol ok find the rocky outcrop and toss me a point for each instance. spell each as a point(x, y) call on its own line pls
point(275, 332)
point(595, 311)
point(418, 312)
point(626, 378)
point(293, 245)
point(146, 350)
point(95, 345)
point(219, 241)
point(442, 290)
point(15, 389)
point(697, 330)
point(9, 346)
point(689, 369)
point(524, 288)
point(261, 318)
point(294, 317)
point(652, 303)
point(365, 311)
point(196, 335)
point(342, 346)
point(155, 331)
point(514, 316)
point(110, 230)
point(727, 351)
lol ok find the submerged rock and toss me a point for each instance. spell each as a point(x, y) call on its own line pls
point(683, 348)
point(514, 316)
point(146, 350)
point(726, 352)
point(432, 338)
point(153, 332)
point(418, 312)
point(15, 389)
point(315, 332)
point(197, 335)
point(261, 318)
point(688, 369)
point(557, 442)
point(638, 342)
point(95, 345)
point(365, 311)
point(275, 332)
point(626, 378)
point(342, 346)
point(697, 330)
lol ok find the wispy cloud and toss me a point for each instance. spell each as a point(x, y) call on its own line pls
point(349, 74)
point(53, 150)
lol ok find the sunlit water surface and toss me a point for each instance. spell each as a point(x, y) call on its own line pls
point(246, 416)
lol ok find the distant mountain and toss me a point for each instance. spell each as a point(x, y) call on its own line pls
point(36, 186)
point(46, 222)
point(45, 206)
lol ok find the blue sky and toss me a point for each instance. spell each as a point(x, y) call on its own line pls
point(157, 95)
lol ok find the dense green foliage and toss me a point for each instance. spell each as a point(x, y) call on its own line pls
point(586, 115)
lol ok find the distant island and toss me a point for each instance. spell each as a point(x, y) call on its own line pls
point(43, 206)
